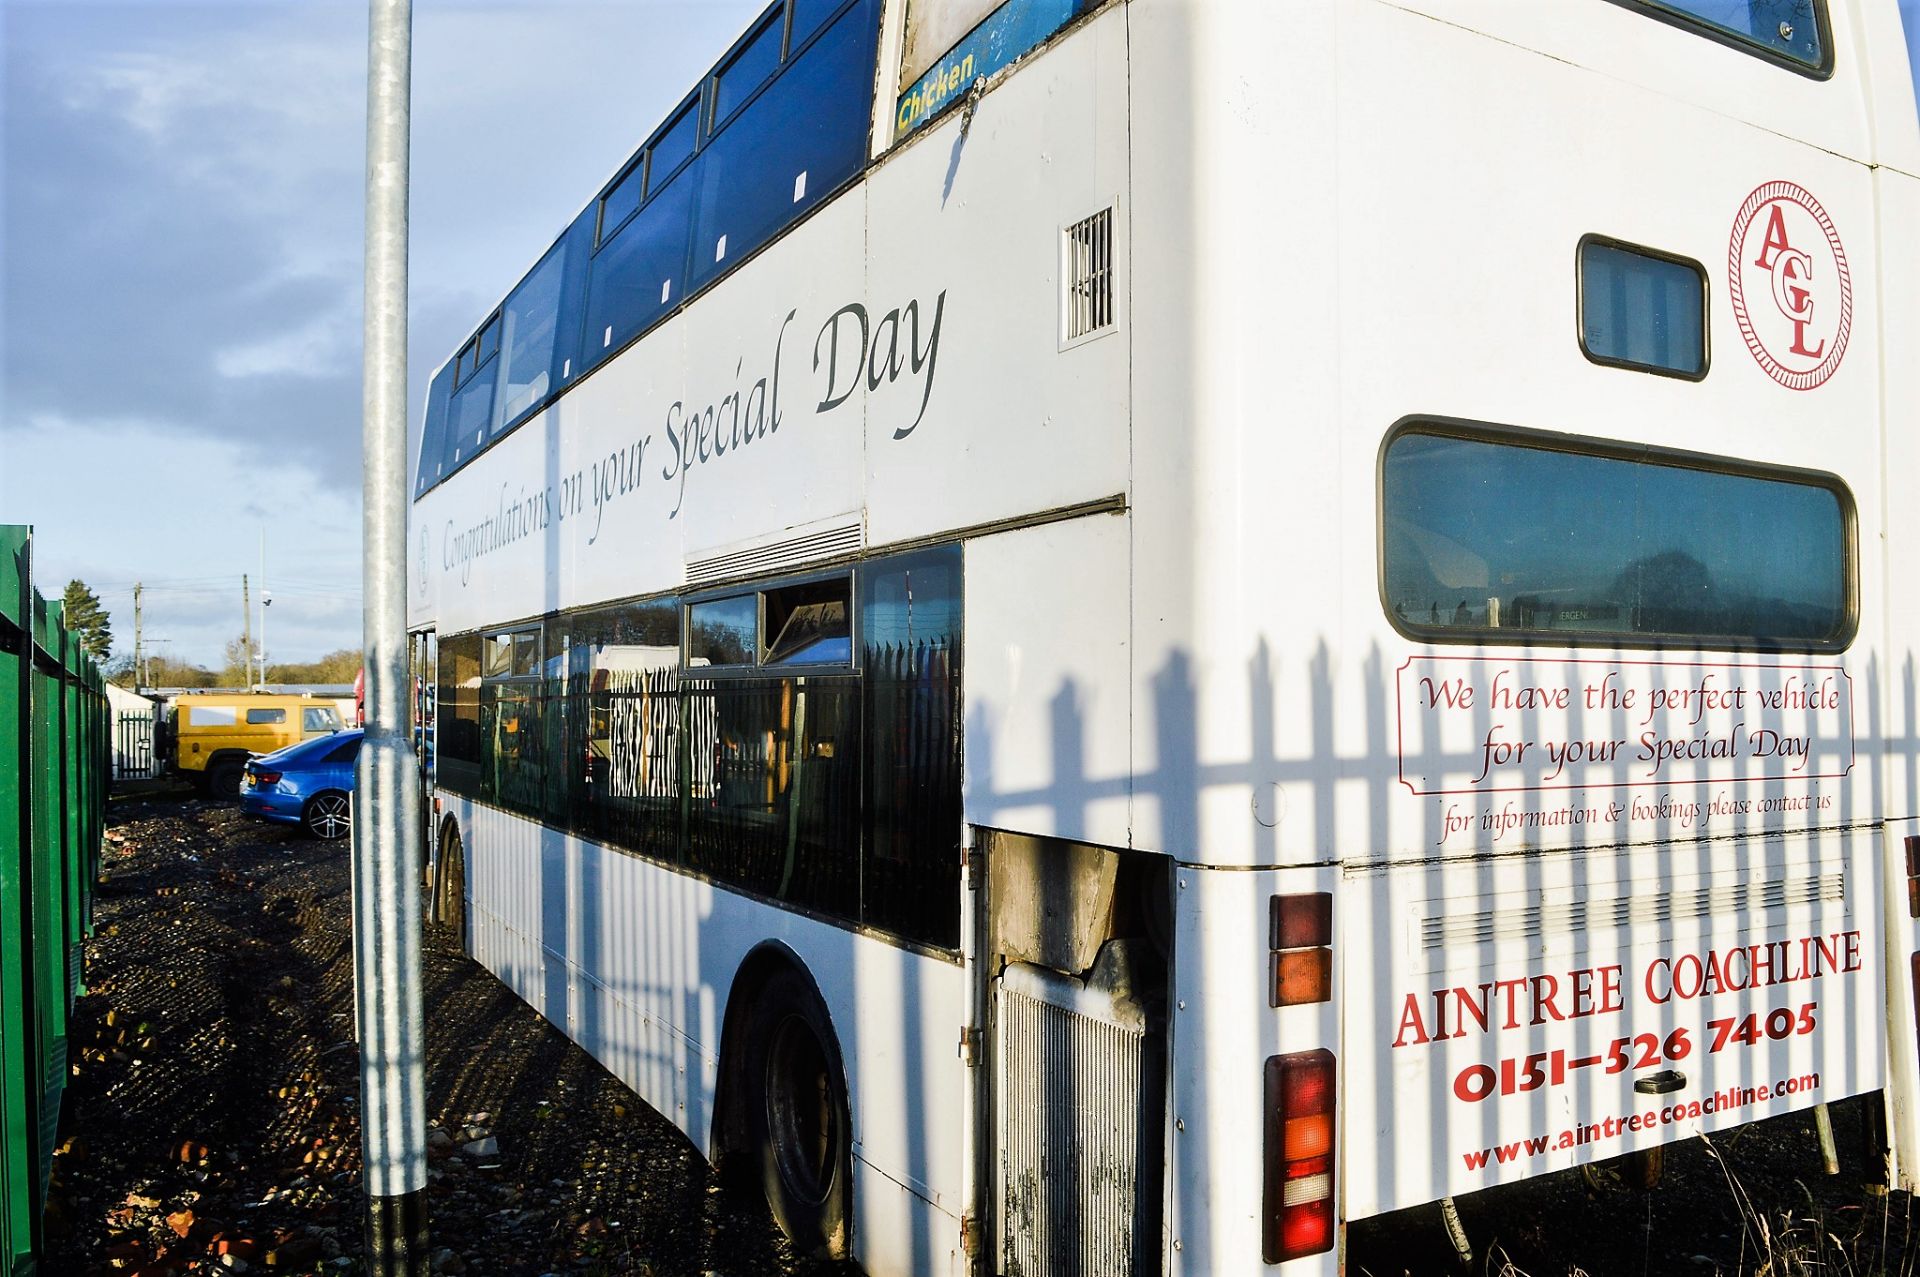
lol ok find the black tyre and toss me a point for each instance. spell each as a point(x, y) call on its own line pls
point(796, 1116)
point(451, 896)
point(329, 815)
point(223, 780)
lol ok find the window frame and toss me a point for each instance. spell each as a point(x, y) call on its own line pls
point(1668, 16)
point(535, 628)
point(603, 232)
point(758, 591)
point(1619, 450)
point(778, 13)
point(1656, 254)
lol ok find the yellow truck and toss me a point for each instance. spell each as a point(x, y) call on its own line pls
point(209, 736)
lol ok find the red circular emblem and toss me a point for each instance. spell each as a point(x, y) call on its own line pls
point(1792, 295)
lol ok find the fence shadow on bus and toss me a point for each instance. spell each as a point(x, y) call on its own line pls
point(1424, 900)
point(1347, 798)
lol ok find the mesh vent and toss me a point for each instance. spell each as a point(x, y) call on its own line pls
point(1089, 274)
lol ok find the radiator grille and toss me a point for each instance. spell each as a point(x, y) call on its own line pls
point(1075, 1119)
point(825, 543)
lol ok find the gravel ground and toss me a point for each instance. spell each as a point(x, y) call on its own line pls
point(212, 1123)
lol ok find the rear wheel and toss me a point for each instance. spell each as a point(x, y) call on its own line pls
point(329, 815)
point(223, 780)
point(451, 898)
point(797, 1123)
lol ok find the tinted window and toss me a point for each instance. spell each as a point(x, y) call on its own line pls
point(675, 143)
point(346, 753)
point(640, 273)
point(777, 809)
point(618, 676)
point(1642, 310)
point(723, 631)
point(433, 433)
point(467, 419)
point(1789, 29)
point(511, 655)
point(457, 731)
point(618, 204)
point(748, 70)
point(799, 140)
point(808, 624)
point(807, 17)
point(1489, 537)
point(910, 655)
point(531, 318)
point(264, 716)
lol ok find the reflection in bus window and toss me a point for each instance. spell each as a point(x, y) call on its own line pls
point(621, 713)
point(532, 317)
point(723, 631)
point(1487, 536)
point(910, 656)
point(808, 624)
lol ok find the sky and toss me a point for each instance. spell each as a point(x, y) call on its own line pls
point(181, 207)
point(181, 192)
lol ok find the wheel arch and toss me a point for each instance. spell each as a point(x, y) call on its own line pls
point(728, 1131)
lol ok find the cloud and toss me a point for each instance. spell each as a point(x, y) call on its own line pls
point(181, 214)
point(193, 526)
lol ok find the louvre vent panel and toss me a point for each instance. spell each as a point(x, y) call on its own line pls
point(1073, 1122)
point(1089, 275)
point(1524, 922)
point(777, 556)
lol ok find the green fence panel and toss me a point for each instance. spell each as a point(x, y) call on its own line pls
point(19, 1102)
point(54, 762)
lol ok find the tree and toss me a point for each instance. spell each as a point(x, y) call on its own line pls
point(239, 664)
point(86, 618)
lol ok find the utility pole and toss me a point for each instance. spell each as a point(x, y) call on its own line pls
point(139, 655)
point(246, 629)
point(386, 799)
point(266, 601)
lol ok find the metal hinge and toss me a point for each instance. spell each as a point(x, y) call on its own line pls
point(970, 1237)
point(969, 1045)
point(976, 867)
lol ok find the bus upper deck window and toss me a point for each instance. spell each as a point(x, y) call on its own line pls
point(1642, 309)
point(749, 69)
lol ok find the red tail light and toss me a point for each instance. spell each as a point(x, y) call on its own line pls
point(1301, 936)
point(1298, 1206)
point(266, 778)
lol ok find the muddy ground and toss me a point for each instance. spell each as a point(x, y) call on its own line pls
point(213, 1120)
point(212, 1124)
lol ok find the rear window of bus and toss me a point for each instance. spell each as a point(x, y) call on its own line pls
point(1490, 534)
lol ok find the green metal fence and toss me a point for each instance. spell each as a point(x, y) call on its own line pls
point(54, 762)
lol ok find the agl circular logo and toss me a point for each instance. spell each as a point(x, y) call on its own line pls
point(1791, 291)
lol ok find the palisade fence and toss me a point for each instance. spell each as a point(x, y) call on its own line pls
point(54, 763)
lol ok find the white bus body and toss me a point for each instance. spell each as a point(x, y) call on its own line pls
point(1587, 897)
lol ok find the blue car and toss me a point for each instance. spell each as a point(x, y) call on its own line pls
point(309, 784)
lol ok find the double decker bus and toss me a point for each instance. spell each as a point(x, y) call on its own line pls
point(1097, 637)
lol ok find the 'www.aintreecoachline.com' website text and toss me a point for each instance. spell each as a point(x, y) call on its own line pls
point(1682, 1111)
